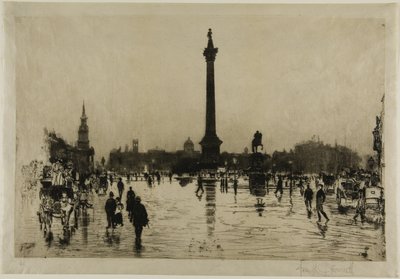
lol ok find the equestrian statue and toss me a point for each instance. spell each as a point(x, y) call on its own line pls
point(256, 142)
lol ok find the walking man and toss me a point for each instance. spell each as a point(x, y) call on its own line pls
point(140, 220)
point(279, 187)
point(130, 201)
point(170, 177)
point(320, 198)
point(308, 196)
point(120, 186)
point(110, 208)
point(199, 185)
point(130, 193)
point(235, 186)
point(360, 209)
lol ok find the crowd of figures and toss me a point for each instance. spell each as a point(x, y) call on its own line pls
point(65, 196)
point(137, 213)
point(358, 190)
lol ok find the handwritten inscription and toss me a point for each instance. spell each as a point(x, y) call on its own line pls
point(326, 269)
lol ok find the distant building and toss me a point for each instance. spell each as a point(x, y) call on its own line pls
point(135, 146)
point(153, 159)
point(84, 152)
point(188, 146)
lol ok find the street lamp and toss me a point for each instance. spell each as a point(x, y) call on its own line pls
point(152, 164)
point(291, 176)
point(226, 176)
point(234, 160)
point(371, 163)
point(234, 175)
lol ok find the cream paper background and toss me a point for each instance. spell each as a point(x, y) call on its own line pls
point(10, 264)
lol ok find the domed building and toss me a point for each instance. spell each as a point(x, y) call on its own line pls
point(188, 146)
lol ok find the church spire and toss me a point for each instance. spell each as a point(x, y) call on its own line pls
point(83, 132)
point(83, 111)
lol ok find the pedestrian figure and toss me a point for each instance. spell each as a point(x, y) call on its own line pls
point(222, 184)
point(140, 220)
point(170, 177)
point(302, 187)
point(320, 199)
point(76, 205)
point(199, 185)
point(308, 197)
point(118, 213)
point(279, 187)
point(130, 201)
point(235, 186)
point(66, 208)
point(291, 183)
point(111, 180)
point(149, 180)
point(158, 176)
point(120, 186)
point(360, 209)
point(110, 208)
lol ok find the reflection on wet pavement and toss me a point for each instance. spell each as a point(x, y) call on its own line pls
point(213, 224)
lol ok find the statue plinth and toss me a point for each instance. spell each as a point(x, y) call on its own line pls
point(256, 174)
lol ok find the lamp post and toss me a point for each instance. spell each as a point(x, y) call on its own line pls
point(371, 164)
point(152, 164)
point(234, 175)
point(235, 161)
point(291, 177)
point(226, 176)
point(273, 172)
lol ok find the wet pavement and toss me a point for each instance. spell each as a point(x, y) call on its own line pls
point(213, 225)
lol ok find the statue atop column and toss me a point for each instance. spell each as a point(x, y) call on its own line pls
point(210, 144)
point(209, 34)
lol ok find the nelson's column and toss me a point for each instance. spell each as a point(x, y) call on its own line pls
point(210, 143)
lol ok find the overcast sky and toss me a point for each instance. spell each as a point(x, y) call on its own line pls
point(144, 76)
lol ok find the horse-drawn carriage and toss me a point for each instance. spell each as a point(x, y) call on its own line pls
point(55, 202)
point(347, 193)
point(329, 182)
point(374, 197)
point(103, 185)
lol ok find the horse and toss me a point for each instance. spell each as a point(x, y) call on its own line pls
point(45, 217)
point(48, 211)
